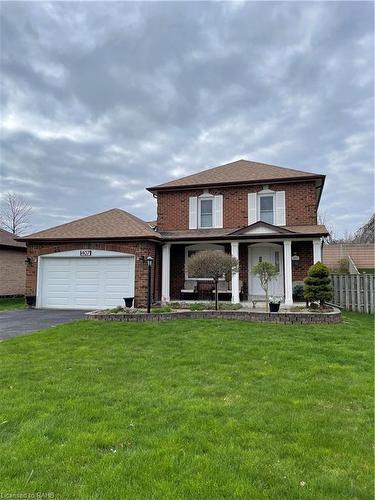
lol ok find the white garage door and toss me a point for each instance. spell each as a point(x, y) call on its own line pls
point(85, 279)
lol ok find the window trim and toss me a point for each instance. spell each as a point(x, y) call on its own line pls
point(198, 248)
point(270, 194)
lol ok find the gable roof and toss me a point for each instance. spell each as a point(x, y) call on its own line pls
point(112, 224)
point(262, 227)
point(7, 240)
point(237, 172)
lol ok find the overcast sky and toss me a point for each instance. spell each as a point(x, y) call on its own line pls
point(100, 100)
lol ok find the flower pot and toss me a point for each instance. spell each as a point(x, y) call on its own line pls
point(274, 308)
point(128, 301)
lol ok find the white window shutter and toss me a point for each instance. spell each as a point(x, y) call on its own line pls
point(252, 208)
point(193, 215)
point(218, 210)
point(280, 209)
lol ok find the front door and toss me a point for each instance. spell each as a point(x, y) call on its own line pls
point(273, 254)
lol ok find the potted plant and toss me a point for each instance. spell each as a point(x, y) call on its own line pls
point(274, 304)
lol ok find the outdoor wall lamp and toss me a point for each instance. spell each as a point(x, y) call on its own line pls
point(28, 261)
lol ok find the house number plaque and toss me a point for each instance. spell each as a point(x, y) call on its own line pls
point(85, 253)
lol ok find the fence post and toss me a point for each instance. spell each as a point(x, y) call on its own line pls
point(352, 292)
point(358, 279)
point(347, 301)
point(365, 294)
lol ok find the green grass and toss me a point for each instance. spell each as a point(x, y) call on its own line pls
point(189, 409)
point(366, 270)
point(7, 304)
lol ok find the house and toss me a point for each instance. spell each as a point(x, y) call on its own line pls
point(252, 210)
point(356, 257)
point(12, 265)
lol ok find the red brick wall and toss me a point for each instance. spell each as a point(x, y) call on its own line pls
point(12, 271)
point(177, 271)
point(300, 200)
point(304, 249)
point(138, 248)
point(244, 266)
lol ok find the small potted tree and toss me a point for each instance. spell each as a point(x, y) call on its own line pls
point(318, 286)
point(213, 265)
point(266, 272)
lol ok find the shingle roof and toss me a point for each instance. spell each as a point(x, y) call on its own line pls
point(295, 231)
point(114, 223)
point(7, 240)
point(240, 171)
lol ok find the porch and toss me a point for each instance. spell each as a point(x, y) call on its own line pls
point(292, 259)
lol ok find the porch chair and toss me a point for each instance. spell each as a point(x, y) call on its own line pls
point(223, 287)
point(190, 289)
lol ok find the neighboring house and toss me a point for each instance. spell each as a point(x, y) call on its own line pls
point(361, 254)
point(252, 210)
point(12, 265)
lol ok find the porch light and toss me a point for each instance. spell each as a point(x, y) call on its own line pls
point(28, 261)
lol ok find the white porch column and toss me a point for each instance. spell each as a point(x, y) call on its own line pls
point(288, 272)
point(317, 251)
point(165, 272)
point(235, 275)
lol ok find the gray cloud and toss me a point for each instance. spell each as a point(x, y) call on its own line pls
point(101, 100)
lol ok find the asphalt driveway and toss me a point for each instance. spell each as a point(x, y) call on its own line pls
point(19, 322)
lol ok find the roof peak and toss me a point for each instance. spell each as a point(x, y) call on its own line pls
point(237, 172)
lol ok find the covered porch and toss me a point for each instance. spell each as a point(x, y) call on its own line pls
point(291, 257)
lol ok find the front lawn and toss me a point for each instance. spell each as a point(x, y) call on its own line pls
point(189, 409)
point(10, 303)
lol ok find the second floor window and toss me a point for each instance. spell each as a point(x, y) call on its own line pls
point(206, 213)
point(266, 209)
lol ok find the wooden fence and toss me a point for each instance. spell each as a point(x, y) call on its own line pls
point(354, 292)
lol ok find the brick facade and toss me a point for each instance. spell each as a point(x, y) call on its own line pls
point(300, 205)
point(304, 250)
point(137, 248)
point(12, 271)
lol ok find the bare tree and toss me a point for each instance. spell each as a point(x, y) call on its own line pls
point(365, 233)
point(212, 264)
point(324, 218)
point(15, 214)
point(266, 272)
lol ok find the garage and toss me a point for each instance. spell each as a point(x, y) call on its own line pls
point(85, 279)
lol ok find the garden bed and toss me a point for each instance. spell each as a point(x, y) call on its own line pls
point(285, 317)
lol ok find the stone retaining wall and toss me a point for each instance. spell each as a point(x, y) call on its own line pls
point(289, 318)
